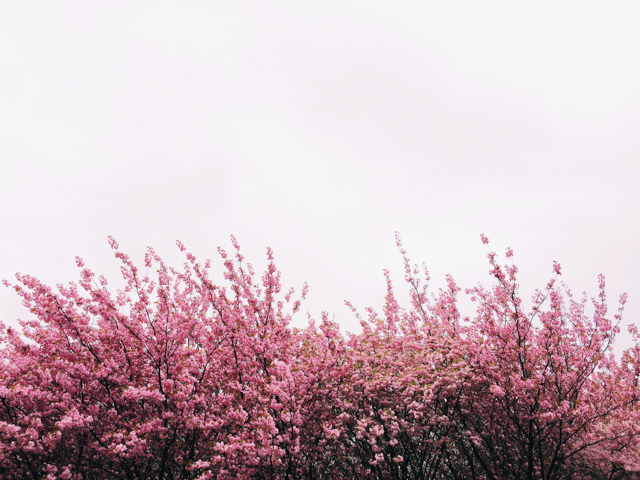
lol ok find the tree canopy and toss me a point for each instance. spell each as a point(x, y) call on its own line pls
point(174, 377)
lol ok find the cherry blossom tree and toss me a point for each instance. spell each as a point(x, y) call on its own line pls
point(178, 378)
point(173, 378)
point(544, 382)
point(506, 394)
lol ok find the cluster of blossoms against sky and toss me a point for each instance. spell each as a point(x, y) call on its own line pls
point(177, 378)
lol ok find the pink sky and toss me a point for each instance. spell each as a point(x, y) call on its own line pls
point(320, 128)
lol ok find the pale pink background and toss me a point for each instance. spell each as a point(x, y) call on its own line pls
point(320, 128)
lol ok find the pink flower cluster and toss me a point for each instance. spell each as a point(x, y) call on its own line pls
point(177, 378)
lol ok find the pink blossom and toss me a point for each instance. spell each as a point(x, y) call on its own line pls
point(177, 377)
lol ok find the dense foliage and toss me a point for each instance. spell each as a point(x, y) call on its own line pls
point(178, 378)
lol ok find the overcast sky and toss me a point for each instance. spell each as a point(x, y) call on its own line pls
point(320, 128)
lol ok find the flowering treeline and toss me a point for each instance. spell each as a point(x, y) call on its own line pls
point(177, 378)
